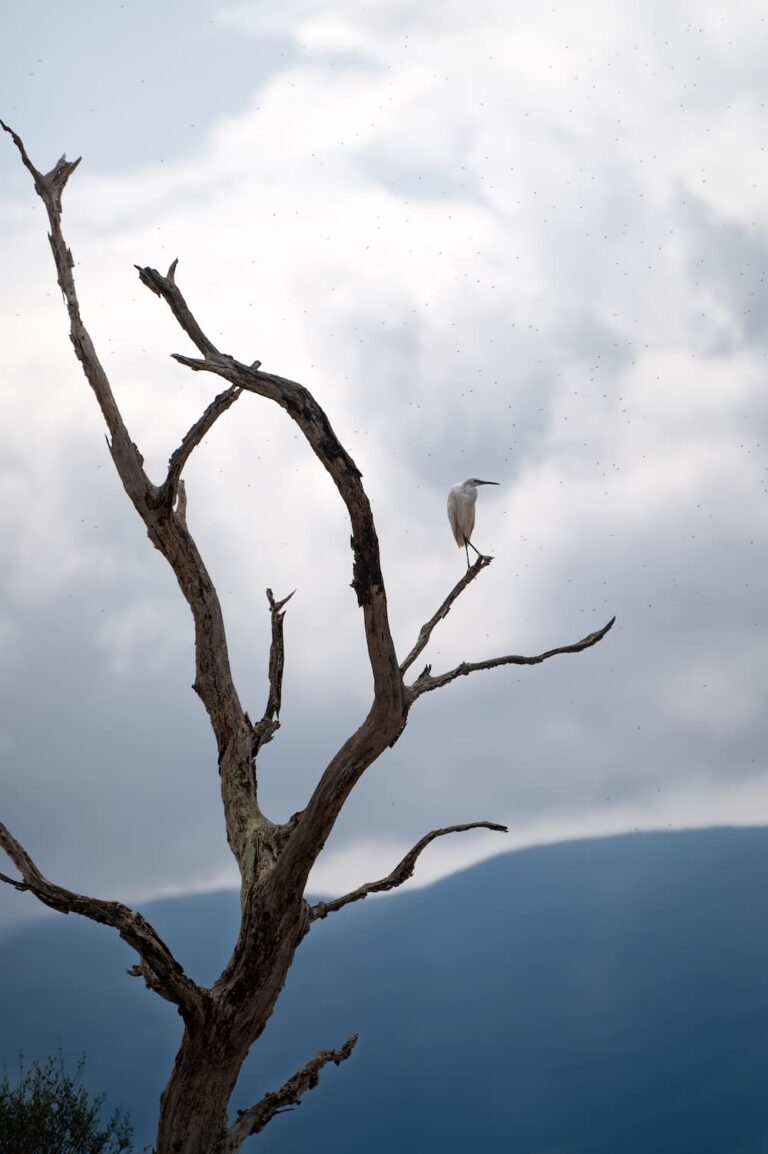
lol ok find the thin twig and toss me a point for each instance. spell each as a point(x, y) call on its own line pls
point(401, 873)
point(425, 682)
point(180, 456)
point(253, 1120)
point(426, 630)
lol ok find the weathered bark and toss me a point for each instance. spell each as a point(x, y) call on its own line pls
point(194, 1105)
point(274, 860)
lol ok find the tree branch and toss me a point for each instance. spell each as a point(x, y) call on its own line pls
point(302, 408)
point(425, 682)
point(165, 287)
point(158, 967)
point(389, 710)
point(264, 730)
point(126, 456)
point(401, 873)
point(168, 531)
point(179, 458)
point(426, 630)
point(253, 1120)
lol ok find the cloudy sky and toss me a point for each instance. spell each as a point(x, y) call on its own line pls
point(523, 244)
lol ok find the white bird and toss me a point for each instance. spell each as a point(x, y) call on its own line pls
point(461, 512)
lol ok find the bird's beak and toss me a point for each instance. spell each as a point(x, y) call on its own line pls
point(488, 482)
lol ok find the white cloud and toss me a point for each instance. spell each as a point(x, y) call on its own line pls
point(136, 638)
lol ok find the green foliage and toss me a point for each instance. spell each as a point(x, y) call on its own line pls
point(49, 1112)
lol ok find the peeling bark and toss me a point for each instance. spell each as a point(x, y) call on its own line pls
point(223, 1022)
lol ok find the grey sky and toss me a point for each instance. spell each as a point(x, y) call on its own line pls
point(526, 245)
point(126, 77)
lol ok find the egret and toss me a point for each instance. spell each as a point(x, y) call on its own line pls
point(461, 512)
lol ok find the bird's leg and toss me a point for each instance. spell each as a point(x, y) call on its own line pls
point(466, 550)
point(471, 546)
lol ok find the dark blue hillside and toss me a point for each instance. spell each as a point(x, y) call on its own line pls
point(595, 997)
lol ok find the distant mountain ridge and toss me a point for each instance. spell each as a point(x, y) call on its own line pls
point(607, 996)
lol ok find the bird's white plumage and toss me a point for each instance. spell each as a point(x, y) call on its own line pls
point(461, 511)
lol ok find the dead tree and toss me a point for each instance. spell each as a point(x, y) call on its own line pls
point(222, 1022)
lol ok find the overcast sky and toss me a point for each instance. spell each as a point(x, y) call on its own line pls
point(518, 242)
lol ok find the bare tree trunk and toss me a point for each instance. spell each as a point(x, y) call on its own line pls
point(274, 860)
point(194, 1104)
point(193, 1114)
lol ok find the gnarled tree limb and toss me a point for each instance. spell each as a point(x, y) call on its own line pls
point(401, 873)
point(253, 1120)
point(160, 970)
point(426, 630)
point(389, 711)
point(426, 682)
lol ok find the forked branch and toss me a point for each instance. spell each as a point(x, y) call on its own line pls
point(426, 682)
point(401, 873)
point(160, 970)
point(253, 1120)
